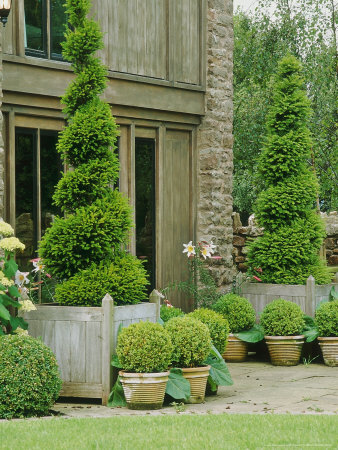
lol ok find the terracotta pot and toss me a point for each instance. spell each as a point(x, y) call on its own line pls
point(197, 377)
point(236, 350)
point(329, 348)
point(284, 350)
point(144, 390)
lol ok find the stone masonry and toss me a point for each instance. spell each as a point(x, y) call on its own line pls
point(215, 141)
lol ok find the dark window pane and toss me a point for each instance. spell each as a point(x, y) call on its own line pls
point(25, 193)
point(145, 204)
point(58, 26)
point(35, 26)
point(50, 173)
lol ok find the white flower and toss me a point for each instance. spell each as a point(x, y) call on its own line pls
point(21, 278)
point(5, 281)
point(158, 293)
point(21, 332)
point(27, 305)
point(23, 292)
point(206, 251)
point(37, 264)
point(6, 229)
point(212, 247)
point(189, 248)
point(11, 244)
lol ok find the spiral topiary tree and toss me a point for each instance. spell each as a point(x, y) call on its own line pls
point(97, 218)
point(288, 252)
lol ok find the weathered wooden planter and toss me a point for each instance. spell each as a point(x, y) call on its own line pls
point(83, 340)
point(306, 296)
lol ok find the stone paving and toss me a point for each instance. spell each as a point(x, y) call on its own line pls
point(258, 388)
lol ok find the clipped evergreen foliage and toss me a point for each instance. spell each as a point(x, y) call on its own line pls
point(218, 326)
point(167, 313)
point(97, 219)
point(237, 310)
point(144, 347)
point(191, 341)
point(326, 319)
point(124, 279)
point(29, 377)
point(282, 318)
point(288, 252)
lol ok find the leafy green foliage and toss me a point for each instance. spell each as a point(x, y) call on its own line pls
point(29, 377)
point(166, 313)
point(219, 372)
point(282, 318)
point(218, 326)
point(237, 310)
point(177, 387)
point(254, 334)
point(191, 341)
point(326, 319)
point(117, 397)
point(87, 236)
point(288, 252)
point(124, 279)
point(144, 347)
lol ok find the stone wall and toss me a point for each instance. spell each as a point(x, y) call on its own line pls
point(241, 234)
point(215, 141)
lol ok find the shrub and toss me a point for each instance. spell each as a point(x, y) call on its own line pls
point(288, 252)
point(191, 341)
point(125, 280)
point(238, 311)
point(282, 318)
point(327, 319)
point(29, 377)
point(144, 347)
point(218, 326)
point(168, 313)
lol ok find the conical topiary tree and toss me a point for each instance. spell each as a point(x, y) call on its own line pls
point(97, 218)
point(288, 252)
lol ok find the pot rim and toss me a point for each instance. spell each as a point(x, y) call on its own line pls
point(282, 338)
point(195, 369)
point(329, 338)
point(123, 373)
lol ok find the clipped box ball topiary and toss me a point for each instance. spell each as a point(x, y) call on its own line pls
point(191, 341)
point(125, 280)
point(327, 319)
point(282, 318)
point(29, 377)
point(144, 347)
point(238, 311)
point(167, 312)
point(218, 326)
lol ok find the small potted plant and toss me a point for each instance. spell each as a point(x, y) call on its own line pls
point(144, 350)
point(241, 317)
point(326, 320)
point(192, 345)
point(283, 322)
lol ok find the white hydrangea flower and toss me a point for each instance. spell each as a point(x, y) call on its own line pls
point(21, 332)
point(27, 305)
point(6, 229)
point(11, 244)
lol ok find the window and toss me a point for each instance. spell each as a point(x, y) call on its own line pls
point(45, 25)
point(37, 171)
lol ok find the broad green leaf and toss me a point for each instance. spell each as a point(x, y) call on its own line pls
point(116, 397)
point(213, 385)
point(119, 329)
point(115, 362)
point(10, 268)
point(4, 313)
point(333, 294)
point(255, 334)
point(215, 353)
point(9, 301)
point(160, 321)
point(320, 303)
point(219, 371)
point(18, 322)
point(177, 386)
point(14, 292)
point(310, 335)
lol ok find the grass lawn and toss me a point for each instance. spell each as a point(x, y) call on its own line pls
point(226, 431)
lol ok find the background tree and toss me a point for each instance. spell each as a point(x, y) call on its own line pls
point(288, 252)
point(307, 28)
point(79, 248)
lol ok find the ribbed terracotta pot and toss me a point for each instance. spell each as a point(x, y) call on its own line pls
point(144, 390)
point(329, 348)
point(197, 377)
point(236, 350)
point(284, 350)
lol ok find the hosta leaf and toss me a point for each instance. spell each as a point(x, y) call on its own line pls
point(177, 386)
point(115, 362)
point(219, 371)
point(255, 334)
point(18, 322)
point(116, 397)
point(4, 313)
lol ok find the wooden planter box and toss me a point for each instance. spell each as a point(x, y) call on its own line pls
point(306, 296)
point(83, 340)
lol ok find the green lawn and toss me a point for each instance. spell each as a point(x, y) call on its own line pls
point(226, 431)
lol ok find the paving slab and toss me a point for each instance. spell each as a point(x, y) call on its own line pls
point(259, 388)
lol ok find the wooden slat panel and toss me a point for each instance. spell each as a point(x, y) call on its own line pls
point(62, 348)
point(134, 311)
point(64, 313)
point(93, 352)
point(77, 352)
point(89, 390)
